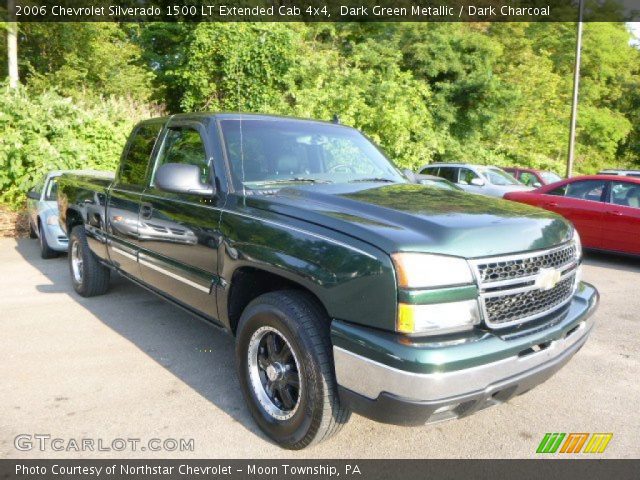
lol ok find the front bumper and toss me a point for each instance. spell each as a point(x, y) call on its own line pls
point(394, 379)
point(56, 238)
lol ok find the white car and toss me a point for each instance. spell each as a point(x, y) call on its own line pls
point(615, 171)
point(42, 206)
point(481, 179)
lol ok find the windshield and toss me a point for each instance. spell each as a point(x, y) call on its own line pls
point(550, 177)
point(498, 177)
point(263, 153)
point(52, 190)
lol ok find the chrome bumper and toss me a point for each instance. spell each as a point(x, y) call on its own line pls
point(534, 364)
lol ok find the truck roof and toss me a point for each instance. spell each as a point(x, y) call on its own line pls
point(239, 116)
point(458, 164)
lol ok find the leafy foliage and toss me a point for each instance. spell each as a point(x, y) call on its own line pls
point(45, 131)
point(485, 93)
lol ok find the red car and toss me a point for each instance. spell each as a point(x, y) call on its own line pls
point(533, 177)
point(604, 208)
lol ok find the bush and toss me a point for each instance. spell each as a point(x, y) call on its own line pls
point(45, 131)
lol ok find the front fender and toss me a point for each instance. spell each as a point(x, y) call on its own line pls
point(354, 280)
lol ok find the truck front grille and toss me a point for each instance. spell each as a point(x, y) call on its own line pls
point(510, 291)
point(514, 268)
point(511, 307)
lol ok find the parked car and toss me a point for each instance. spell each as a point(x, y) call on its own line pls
point(485, 180)
point(346, 287)
point(532, 177)
point(42, 208)
point(430, 180)
point(628, 173)
point(605, 209)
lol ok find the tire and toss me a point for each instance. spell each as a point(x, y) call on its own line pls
point(32, 231)
point(294, 321)
point(46, 251)
point(88, 276)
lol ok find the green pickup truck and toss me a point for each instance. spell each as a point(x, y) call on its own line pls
point(346, 287)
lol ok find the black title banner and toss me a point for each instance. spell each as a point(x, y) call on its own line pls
point(319, 10)
point(584, 469)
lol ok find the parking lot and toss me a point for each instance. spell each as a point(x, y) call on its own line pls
point(128, 365)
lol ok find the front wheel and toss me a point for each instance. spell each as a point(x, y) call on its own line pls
point(88, 276)
point(46, 251)
point(286, 372)
point(32, 231)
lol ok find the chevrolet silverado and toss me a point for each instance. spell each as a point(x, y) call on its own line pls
point(346, 286)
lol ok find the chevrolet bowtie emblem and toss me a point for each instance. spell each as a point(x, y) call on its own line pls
point(548, 278)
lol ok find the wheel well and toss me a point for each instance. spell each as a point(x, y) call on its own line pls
point(73, 219)
point(249, 283)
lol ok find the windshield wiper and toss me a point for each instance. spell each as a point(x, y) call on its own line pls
point(373, 179)
point(293, 180)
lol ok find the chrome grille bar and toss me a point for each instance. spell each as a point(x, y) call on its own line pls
point(509, 294)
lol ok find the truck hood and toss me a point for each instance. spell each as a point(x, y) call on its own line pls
point(418, 218)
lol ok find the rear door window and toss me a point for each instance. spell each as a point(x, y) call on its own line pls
point(133, 167)
point(625, 194)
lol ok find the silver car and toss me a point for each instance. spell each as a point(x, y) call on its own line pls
point(481, 179)
point(42, 206)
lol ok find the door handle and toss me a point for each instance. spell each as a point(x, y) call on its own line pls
point(551, 204)
point(615, 212)
point(146, 210)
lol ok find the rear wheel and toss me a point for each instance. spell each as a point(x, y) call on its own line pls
point(45, 250)
point(286, 372)
point(88, 276)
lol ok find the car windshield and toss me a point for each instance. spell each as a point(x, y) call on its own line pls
point(550, 177)
point(498, 177)
point(268, 153)
point(52, 190)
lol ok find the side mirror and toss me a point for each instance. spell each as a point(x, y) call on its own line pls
point(182, 178)
point(33, 195)
point(536, 184)
point(478, 182)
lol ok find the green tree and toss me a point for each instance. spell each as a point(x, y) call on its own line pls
point(73, 57)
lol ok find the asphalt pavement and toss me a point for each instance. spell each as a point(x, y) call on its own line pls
point(129, 368)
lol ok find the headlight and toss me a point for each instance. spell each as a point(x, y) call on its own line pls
point(578, 243)
point(420, 270)
point(437, 318)
point(52, 220)
point(425, 271)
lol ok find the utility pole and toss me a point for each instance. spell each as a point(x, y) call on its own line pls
point(576, 83)
point(12, 44)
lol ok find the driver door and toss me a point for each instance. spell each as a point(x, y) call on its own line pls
point(178, 233)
